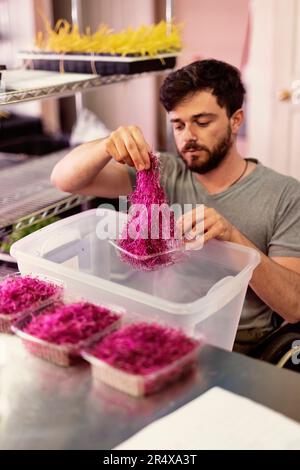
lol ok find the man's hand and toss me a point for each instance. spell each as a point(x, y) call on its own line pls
point(216, 226)
point(128, 145)
point(200, 226)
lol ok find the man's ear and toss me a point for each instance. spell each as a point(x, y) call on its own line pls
point(237, 120)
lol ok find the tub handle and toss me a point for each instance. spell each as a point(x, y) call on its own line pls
point(221, 283)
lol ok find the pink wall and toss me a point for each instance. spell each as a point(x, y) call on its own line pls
point(135, 102)
point(214, 28)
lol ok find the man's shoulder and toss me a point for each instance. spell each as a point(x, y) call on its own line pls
point(284, 186)
point(170, 162)
point(274, 176)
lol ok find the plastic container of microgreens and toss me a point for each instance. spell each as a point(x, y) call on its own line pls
point(202, 294)
point(141, 384)
point(61, 354)
point(8, 318)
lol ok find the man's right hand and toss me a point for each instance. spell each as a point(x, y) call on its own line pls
point(128, 145)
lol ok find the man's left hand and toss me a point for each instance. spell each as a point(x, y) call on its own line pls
point(201, 226)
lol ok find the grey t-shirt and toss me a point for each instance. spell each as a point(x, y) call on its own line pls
point(264, 206)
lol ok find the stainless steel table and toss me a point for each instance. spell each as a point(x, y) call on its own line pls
point(43, 406)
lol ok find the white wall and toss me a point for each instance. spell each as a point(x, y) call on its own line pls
point(274, 67)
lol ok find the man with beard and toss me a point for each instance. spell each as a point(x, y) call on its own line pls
point(244, 202)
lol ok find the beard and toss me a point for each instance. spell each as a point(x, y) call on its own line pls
point(214, 156)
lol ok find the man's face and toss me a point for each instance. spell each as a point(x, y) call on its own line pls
point(202, 131)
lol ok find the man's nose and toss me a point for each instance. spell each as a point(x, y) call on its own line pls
point(189, 134)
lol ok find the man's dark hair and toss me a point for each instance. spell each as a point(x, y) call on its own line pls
point(221, 79)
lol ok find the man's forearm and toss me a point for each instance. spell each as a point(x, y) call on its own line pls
point(77, 169)
point(276, 285)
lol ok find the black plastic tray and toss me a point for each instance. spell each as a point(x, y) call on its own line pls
point(97, 63)
point(34, 145)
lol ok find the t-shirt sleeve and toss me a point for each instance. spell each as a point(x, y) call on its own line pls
point(285, 240)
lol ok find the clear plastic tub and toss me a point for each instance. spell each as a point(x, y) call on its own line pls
point(141, 385)
point(61, 355)
point(7, 320)
point(203, 294)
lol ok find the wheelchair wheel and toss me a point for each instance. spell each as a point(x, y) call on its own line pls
point(276, 349)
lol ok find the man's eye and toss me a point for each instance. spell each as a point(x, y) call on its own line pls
point(178, 128)
point(203, 124)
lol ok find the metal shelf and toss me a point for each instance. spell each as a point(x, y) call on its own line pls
point(27, 85)
point(27, 196)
